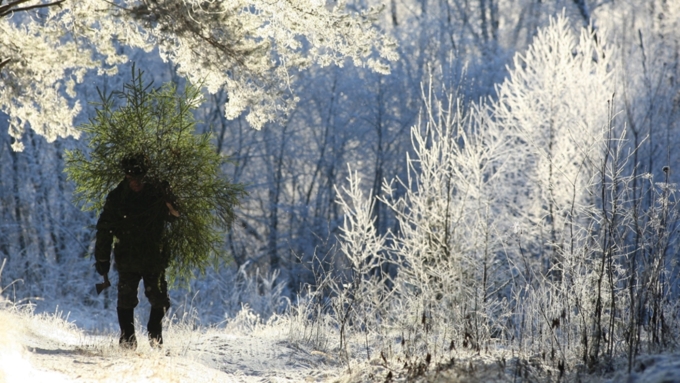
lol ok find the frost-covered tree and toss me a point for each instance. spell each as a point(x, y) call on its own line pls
point(244, 47)
point(649, 58)
point(453, 219)
point(44, 237)
point(555, 107)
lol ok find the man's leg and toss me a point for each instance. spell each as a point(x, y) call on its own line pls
point(156, 290)
point(127, 301)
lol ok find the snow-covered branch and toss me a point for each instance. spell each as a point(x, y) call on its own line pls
point(248, 48)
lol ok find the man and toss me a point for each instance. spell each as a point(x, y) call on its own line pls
point(135, 213)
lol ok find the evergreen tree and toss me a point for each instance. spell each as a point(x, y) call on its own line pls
point(159, 123)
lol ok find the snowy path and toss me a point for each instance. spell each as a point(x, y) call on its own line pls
point(35, 351)
point(219, 358)
point(256, 359)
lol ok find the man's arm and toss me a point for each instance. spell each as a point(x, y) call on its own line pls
point(104, 240)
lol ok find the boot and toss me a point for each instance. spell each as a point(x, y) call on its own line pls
point(155, 327)
point(126, 320)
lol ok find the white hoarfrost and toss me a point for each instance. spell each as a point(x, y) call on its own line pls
point(249, 48)
point(555, 106)
point(46, 348)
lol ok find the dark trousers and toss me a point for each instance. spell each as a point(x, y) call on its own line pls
point(155, 290)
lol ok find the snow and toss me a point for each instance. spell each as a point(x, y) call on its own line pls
point(15, 361)
point(42, 348)
point(663, 368)
point(48, 348)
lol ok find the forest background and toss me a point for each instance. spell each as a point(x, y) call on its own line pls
point(510, 182)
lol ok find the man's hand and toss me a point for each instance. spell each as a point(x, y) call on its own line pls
point(101, 286)
point(170, 199)
point(172, 209)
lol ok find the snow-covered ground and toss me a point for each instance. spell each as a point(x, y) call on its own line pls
point(51, 348)
point(46, 348)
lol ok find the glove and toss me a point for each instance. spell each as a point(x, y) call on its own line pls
point(102, 267)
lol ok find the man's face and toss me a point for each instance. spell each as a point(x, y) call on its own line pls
point(136, 182)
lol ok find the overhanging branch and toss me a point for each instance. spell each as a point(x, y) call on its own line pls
point(7, 8)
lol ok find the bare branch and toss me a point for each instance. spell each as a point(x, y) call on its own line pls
point(6, 9)
point(4, 62)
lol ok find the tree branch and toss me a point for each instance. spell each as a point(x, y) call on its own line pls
point(4, 62)
point(6, 9)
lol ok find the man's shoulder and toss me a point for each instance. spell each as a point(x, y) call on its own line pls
point(117, 191)
point(153, 188)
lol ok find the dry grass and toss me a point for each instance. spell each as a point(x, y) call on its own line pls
point(48, 348)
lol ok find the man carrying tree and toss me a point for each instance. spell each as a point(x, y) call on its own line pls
point(147, 135)
point(135, 213)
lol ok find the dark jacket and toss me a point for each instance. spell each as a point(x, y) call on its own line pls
point(137, 220)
